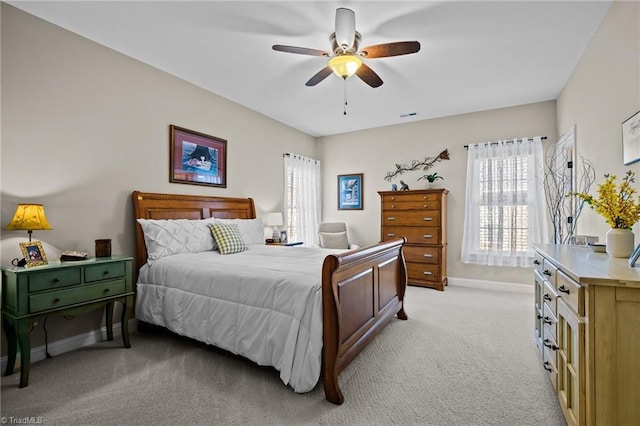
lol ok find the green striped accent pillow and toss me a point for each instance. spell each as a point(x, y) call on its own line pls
point(228, 237)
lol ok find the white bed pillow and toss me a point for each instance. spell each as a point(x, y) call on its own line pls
point(164, 237)
point(251, 230)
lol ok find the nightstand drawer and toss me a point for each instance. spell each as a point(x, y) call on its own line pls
point(103, 271)
point(56, 299)
point(54, 279)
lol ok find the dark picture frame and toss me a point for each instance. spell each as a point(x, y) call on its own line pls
point(631, 139)
point(33, 253)
point(197, 158)
point(634, 256)
point(350, 188)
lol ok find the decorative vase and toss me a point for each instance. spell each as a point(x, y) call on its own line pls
point(620, 242)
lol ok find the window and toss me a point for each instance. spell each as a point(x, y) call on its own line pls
point(302, 198)
point(505, 204)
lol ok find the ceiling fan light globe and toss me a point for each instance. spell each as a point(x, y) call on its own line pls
point(345, 66)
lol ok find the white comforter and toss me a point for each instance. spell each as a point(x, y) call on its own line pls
point(264, 304)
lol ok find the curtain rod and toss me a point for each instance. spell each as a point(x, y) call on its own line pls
point(288, 154)
point(508, 141)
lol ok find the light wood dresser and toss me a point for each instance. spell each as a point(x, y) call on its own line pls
point(421, 217)
point(587, 330)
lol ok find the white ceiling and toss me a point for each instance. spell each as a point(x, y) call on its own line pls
point(475, 55)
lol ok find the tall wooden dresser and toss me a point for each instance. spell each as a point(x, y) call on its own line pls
point(421, 217)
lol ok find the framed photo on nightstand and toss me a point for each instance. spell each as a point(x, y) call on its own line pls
point(33, 253)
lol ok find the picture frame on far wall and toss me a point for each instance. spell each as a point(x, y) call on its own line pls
point(196, 158)
point(631, 139)
point(350, 190)
point(33, 253)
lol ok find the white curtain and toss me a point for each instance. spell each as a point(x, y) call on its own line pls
point(505, 204)
point(302, 198)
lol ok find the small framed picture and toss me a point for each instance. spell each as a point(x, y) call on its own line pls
point(634, 256)
point(631, 139)
point(33, 253)
point(283, 236)
point(350, 192)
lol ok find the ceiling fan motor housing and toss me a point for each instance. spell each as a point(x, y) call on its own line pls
point(344, 49)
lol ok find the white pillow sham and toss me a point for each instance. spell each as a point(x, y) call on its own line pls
point(251, 230)
point(164, 237)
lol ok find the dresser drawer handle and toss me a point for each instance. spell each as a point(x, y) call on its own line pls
point(393, 198)
point(56, 300)
point(427, 273)
point(105, 272)
point(538, 316)
point(55, 280)
point(428, 236)
point(546, 297)
point(428, 219)
point(546, 366)
point(563, 289)
point(546, 272)
point(391, 235)
point(391, 218)
point(550, 345)
point(393, 206)
point(547, 320)
point(425, 206)
point(427, 255)
point(424, 197)
point(536, 262)
point(106, 290)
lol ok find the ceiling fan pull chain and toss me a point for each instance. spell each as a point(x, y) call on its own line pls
point(345, 97)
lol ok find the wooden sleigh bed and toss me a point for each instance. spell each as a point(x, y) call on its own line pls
point(362, 290)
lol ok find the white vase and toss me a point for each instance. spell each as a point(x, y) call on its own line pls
point(620, 242)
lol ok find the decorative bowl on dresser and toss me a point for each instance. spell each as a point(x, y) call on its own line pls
point(421, 217)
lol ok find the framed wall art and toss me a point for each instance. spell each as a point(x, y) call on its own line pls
point(33, 253)
point(631, 139)
point(350, 192)
point(196, 158)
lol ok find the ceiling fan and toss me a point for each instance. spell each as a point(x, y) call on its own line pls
point(345, 59)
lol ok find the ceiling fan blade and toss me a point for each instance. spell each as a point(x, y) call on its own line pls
point(369, 76)
point(300, 50)
point(320, 75)
point(345, 27)
point(390, 49)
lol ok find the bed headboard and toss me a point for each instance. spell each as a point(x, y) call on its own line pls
point(148, 205)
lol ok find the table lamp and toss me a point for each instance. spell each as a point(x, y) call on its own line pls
point(275, 220)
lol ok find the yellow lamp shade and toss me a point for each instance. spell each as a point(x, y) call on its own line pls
point(345, 65)
point(29, 217)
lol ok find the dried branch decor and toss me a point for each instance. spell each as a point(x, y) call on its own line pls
point(425, 164)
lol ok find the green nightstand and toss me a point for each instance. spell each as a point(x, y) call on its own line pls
point(62, 288)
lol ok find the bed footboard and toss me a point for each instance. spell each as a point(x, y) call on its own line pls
point(361, 292)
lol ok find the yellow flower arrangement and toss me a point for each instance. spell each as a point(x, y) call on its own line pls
point(618, 205)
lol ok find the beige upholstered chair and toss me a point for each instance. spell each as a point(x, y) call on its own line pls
point(334, 235)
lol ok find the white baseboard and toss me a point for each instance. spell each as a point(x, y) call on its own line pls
point(492, 285)
point(71, 343)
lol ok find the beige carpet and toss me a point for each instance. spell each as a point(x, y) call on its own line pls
point(465, 357)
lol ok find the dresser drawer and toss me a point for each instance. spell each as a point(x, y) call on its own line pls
point(56, 299)
point(421, 254)
point(410, 198)
point(104, 271)
point(422, 272)
point(549, 272)
point(571, 292)
point(414, 235)
point(411, 218)
point(411, 205)
point(549, 297)
point(549, 321)
point(49, 280)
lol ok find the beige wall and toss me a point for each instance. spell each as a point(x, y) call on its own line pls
point(603, 91)
point(374, 152)
point(83, 126)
